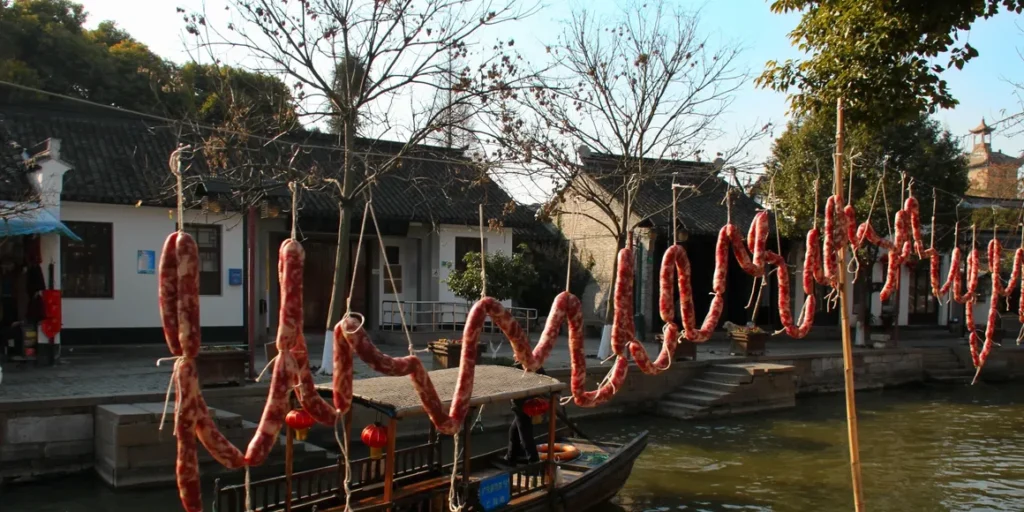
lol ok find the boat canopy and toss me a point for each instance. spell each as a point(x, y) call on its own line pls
point(18, 219)
point(396, 397)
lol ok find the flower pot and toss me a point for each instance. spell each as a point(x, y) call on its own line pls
point(219, 366)
point(448, 353)
point(745, 343)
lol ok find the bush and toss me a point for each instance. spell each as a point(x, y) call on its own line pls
point(508, 276)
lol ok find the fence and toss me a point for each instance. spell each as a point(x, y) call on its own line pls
point(434, 316)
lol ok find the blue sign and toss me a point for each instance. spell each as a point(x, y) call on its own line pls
point(147, 262)
point(235, 276)
point(495, 491)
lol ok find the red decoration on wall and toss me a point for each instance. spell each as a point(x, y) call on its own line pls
point(52, 310)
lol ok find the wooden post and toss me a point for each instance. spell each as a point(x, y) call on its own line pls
point(289, 453)
point(552, 427)
point(467, 453)
point(844, 322)
point(389, 461)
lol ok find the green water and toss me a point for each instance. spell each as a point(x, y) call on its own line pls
point(923, 449)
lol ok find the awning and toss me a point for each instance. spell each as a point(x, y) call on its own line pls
point(18, 219)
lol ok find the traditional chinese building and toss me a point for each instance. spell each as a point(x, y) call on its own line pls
point(991, 173)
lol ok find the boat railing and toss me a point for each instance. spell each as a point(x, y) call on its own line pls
point(528, 478)
point(407, 461)
point(321, 484)
point(309, 487)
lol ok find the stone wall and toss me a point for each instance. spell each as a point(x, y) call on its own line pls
point(823, 373)
point(42, 442)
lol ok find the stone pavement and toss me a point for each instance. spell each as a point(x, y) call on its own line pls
point(124, 370)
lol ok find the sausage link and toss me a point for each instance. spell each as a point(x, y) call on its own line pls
point(831, 244)
point(913, 210)
point(785, 309)
point(622, 321)
point(273, 412)
point(973, 263)
point(1018, 261)
point(187, 253)
point(187, 463)
point(167, 290)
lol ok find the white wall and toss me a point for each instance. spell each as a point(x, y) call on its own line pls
point(409, 260)
point(135, 295)
point(496, 242)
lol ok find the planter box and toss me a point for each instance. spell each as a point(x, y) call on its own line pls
point(686, 350)
point(447, 353)
point(219, 366)
point(748, 343)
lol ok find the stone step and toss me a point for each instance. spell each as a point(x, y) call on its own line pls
point(942, 365)
point(695, 398)
point(748, 408)
point(680, 411)
point(734, 369)
point(717, 385)
point(956, 375)
point(727, 378)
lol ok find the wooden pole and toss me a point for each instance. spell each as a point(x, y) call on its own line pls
point(552, 427)
point(844, 322)
point(289, 453)
point(389, 462)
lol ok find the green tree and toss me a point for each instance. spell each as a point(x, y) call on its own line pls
point(508, 276)
point(925, 154)
point(881, 56)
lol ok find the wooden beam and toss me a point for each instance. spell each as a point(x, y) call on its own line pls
point(552, 427)
point(844, 323)
point(389, 461)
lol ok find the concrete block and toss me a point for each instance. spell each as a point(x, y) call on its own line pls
point(68, 449)
point(40, 429)
point(24, 451)
point(122, 414)
point(141, 434)
point(156, 410)
point(113, 458)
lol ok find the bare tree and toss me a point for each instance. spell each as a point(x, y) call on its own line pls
point(370, 64)
point(642, 91)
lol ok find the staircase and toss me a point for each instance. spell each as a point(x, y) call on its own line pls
point(943, 365)
point(727, 389)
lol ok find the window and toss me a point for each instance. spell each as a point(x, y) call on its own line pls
point(393, 255)
point(463, 245)
point(87, 267)
point(207, 237)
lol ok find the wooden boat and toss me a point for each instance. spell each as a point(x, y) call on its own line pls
point(416, 479)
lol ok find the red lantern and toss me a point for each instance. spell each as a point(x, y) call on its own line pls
point(300, 421)
point(52, 313)
point(376, 437)
point(535, 409)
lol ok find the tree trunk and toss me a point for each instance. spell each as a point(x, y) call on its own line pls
point(341, 256)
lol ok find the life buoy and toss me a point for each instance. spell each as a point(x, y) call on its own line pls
point(563, 452)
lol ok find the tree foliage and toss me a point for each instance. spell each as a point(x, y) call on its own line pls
point(885, 58)
point(918, 153)
point(508, 276)
point(44, 44)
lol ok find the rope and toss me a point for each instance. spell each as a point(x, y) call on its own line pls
point(343, 446)
point(453, 496)
point(817, 187)
point(267, 367)
point(391, 279)
point(178, 171)
point(248, 494)
point(355, 262)
point(295, 210)
point(483, 256)
point(170, 385)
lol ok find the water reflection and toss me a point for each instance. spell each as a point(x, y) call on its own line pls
point(922, 449)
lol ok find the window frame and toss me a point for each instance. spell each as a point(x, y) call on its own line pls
point(192, 229)
point(392, 265)
point(80, 229)
point(459, 264)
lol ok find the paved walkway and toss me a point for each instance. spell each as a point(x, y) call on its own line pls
point(116, 370)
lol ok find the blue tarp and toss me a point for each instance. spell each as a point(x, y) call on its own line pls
point(30, 219)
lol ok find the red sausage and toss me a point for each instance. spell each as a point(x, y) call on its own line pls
point(167, 290)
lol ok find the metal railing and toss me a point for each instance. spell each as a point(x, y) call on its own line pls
point(436, 316)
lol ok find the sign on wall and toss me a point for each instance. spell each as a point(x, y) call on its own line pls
point(147, 262)
point(235, 277)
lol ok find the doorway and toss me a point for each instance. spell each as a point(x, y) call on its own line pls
point(922, 308)
point(318, 280)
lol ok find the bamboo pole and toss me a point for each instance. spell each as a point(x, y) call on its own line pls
point(844, 322)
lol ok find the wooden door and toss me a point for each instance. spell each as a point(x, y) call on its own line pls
point(318, 281)
point(922, 308)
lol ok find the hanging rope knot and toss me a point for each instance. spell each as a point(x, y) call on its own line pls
point(350, 314)
point(170, 385)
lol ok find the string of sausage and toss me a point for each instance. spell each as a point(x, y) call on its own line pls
point(179, 306)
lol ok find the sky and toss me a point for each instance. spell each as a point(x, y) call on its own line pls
point(983, 87)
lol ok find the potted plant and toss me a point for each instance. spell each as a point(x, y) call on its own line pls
point(748, 340)
point(508, 276)
point(219, 365)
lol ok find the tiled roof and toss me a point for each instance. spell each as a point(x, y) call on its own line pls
point(122, 159)
point(984, 156)
point(701, 209)
point(14, 184)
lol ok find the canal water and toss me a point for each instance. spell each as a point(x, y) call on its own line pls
point(950, 448)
